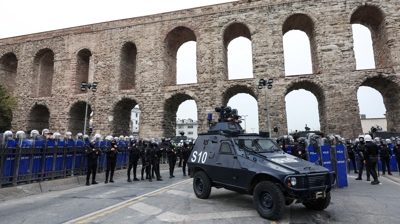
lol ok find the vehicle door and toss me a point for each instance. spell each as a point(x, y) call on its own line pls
point(225, 163)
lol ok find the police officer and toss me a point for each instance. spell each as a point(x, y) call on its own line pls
point(134, 154)
point(112, 155)
point(385, 156)
point(92, 153)
point(396, 151)
point(142, 155)
point(190, 149)
point(351, 155)
point(371, 158)
point(360, 149)
point(151, 159)
point(171, 159)
point(299, 149)
point(185, 156)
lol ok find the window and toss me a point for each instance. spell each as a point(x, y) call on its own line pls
point(190, 132)
point(136, 122)
point(225, 149)
point(136, 115)
point(180, 127)
point(190, 126)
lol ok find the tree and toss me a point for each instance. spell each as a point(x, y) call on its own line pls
point(7, 104)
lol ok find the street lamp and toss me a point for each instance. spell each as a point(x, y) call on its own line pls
point(92, 86)
point(244, 118)
point(261, 84)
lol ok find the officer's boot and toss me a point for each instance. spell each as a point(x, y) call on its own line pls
point(87, 182)
point(184, 173)
point(129, 175)
point(111, 176)
point(106, 178)
point(134, 177)
point(94, 178)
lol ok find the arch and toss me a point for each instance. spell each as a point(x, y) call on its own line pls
point(373, 18)
point(128, 66)
point(173, 40)
point(76, 120)
point(234, 90)
point(43, 71)
point(235, 30)
point(171, 106)
point(318, 92)
point(303, 22)
point(39, 118)
point(82, 68)
point(232, 31)
point(390, 93)
point(122, 116)
point(8, 71)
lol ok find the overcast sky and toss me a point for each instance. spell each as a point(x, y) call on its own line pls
point(20, 17)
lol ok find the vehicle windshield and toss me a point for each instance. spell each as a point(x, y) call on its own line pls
point(258, 145)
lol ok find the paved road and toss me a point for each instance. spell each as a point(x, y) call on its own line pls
point(173, 201)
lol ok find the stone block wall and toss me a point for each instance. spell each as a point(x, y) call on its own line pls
point(134, 62)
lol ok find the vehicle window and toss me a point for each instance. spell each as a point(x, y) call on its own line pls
point(260, 145)
point(225, 149)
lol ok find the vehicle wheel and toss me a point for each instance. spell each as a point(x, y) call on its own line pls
point(269, 200)
point(320, 204)
point(201, 185)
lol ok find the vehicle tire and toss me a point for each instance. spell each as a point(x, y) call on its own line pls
point(320, 204)
point(201, 185)
point(269, 200)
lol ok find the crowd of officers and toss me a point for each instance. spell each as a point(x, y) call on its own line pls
point(367, 150)
point(150, 152)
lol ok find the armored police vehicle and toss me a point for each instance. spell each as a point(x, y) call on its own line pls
point(254, 164)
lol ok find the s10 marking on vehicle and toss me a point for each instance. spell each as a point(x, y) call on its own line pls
point(200, 157)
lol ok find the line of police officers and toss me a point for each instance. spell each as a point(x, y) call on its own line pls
point(369, 152)
point(149, 152)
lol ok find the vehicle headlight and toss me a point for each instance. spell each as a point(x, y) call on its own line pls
point(292, 181)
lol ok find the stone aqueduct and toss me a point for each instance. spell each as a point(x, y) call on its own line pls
point(134, 61)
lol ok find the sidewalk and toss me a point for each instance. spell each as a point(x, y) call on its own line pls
point(24, 190)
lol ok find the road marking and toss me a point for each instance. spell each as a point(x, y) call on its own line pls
point(180, 193)
point(146, 209)
point(173, 217)
point(129, 202)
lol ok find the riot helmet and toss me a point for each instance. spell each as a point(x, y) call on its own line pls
point(20, 135)
point(162, 139)
point(361, 138)
point(97, 137)
point(56, 136)
point(79, 136)
point(121, 138)
point(45, 131)
point(34, 134)
point(303, 141)
point(68, 135)
point(367, 138)
point(388, 142)
point(86, 138)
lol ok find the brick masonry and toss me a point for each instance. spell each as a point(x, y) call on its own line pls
point(134, 61)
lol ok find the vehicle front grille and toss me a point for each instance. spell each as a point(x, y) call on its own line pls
point(313, 181)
